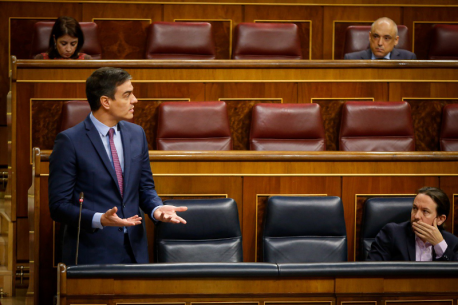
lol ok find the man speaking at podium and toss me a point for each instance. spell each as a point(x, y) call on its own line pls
point(106, 158)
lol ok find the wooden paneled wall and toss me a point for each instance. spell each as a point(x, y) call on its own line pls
point(122, 25)
point(40, 88)
point(250, 178)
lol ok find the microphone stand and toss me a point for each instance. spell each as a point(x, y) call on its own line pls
point(79, 228)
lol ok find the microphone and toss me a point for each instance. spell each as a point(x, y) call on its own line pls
point(79, 228)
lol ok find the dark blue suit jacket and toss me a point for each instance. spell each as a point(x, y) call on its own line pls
point(396, 54)
point(396, 242)
point(79, 163)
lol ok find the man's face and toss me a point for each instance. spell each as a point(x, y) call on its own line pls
point(122, 106)
point(424, 209)
point(383, 38)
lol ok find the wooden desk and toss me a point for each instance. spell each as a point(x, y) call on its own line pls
point(250, 178)
point(153, 286)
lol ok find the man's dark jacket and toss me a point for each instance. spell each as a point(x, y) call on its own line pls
point(396, 54)
point(396, 242)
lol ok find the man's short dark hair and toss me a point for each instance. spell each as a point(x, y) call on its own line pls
point(103, 82)
point(439, 197)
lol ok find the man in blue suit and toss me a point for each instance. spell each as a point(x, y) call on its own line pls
point(383, 38)
point(106, 158)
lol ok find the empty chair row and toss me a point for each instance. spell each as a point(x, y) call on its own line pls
point(295, 229)
point(195, 40)
point(365, 126)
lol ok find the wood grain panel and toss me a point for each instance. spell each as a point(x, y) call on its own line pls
point(122, 28)
point(360, 301)
point(370, 186)
point(123, 39)
point(293, 14)
point(20, 36)
point(253, 203)
point(333, 15)
point(440, 90)
point(450, 186)
point(419, 302)
point(121, 11)
point(22, 232)
point(421, 19)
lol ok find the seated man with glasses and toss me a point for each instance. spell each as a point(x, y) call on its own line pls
point(383, 37)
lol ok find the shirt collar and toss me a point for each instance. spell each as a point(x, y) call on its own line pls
point(101, 128)
point(420, 242)
point(387, 56)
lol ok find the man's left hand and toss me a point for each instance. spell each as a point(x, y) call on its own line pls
point(167, 213)
point(428, 233)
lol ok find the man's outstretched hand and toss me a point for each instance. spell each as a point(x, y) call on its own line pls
point(111, 219)
point(167, 213)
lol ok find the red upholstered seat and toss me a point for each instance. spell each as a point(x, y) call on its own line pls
point(376, 126)
point(449, 128)
point(444, 42)
point(287, 127)
point(42, 33)
point(357, 38)
point(73, 112)
point(193, 126)
point(180, 40)
point(267, 41)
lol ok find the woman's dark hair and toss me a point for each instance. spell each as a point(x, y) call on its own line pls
point(439, 197)
point(65, 26)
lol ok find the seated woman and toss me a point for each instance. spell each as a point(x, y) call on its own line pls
point(66, 41)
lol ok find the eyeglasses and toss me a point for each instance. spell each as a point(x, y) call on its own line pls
point(386, 38)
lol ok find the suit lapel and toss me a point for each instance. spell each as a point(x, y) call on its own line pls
point(410, 243)
point(367, 54)
point(94, 136)
point(395, 54)
point(126, 138)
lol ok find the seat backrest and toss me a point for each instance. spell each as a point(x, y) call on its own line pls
point(42, 33)
point(357, 38)
point(287, 127)
point(267, 41)
point(193, 126)
point(304, 229)
point(180, 40)
point(211, 234)
point(73, 112)
point(376, 126)
point(378, 212)
point(449, 128)
point(444, 42)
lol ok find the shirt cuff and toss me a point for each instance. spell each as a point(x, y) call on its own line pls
point(154, 210)
point(96, 223)
point(440, 248)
